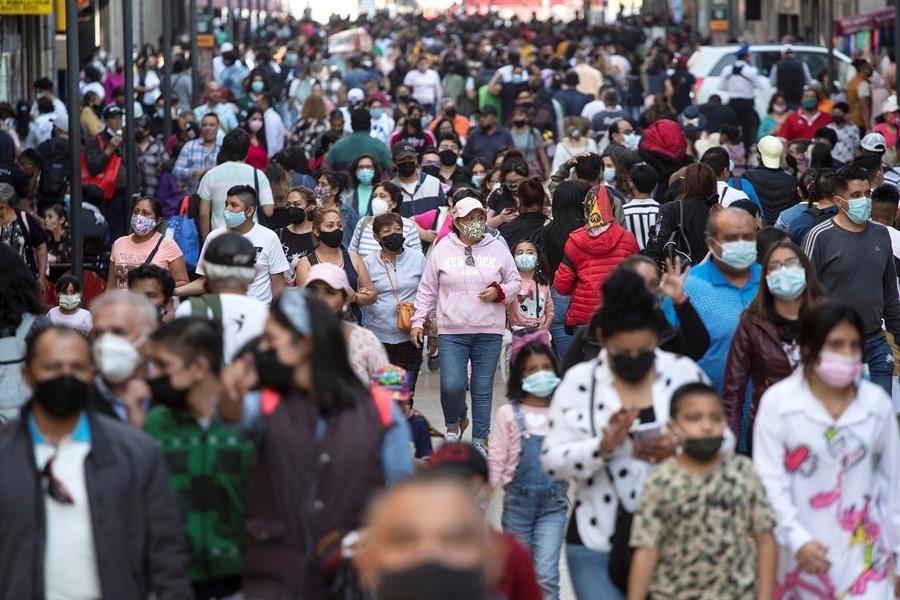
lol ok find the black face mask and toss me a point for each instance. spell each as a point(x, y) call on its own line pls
point(393, 242)
point(62, 396)
point(404, 98)
point(519, 123)
point(702, 449)
point(838, 119)
point(332, 239)
point(448, 157)
point(633, 368)
point(162, 391)
point(450, 112)
point(434, 581)
point(433, 170)
point(406, 169)
point(296, 215)
point(140, 136)
point(791, 162)
point(272, 373)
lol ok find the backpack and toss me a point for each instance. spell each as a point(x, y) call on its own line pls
point(202, 305)
point(13, 390)
point(678, 246)
point(54, 168)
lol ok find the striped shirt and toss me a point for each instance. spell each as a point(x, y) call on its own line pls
point(640, 218)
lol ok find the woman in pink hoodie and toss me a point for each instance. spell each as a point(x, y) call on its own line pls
point(469, 278)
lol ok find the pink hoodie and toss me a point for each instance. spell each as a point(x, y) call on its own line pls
point(454, 287)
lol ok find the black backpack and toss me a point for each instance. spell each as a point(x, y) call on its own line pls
point(678, 245)
point(54, 168)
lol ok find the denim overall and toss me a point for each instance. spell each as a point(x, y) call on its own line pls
point(535, 509)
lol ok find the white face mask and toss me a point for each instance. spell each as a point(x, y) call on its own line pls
point(379, 207)
point(116, 357)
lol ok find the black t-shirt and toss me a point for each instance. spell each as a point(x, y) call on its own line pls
point(16, 177)
point(295, 245)
point(500, 199)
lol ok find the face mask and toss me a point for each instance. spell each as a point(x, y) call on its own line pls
point(379, 207)
point(67, 199)
point(272, 373)
point(448, 157)
point(859, 209)
point(257, 86)
point(518, 78)
point(116, 357)
point(631, 141)
point(702, 449)
point(406, 169)
point(633, 368)
point(160, 114)
point(526, 262)
point(809, 103)
point(738, 255)
point(433, 170)
point(609, 174)
point(540, 384)
point(392, 242)
point(575, 134)
point(62, 396)
point(495, 186)
point(162, 391)
point(296, 215)
point(365, 176)
point(519, 122)
point(473, 230)
point(233, 220)
point(434, 580)
point(476, 180)
point(142, 225)
point(140, 136)
point(450, 112)
point(779, 108)
point(401, 98)
point(332, 239)
point(838, 119)
point(838, 370)
point(376, 112)
point(69, 301)
point(322, 192)
point(787, 283)
point(255, 125)
point(291, 58)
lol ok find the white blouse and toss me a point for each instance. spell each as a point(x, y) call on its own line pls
point(572, 445)
point(833, 481)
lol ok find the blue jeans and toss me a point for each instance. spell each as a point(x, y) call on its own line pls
point(456, 350)
point(589, 572)
point(538, 520)
point(881, 362)
point(561, 339)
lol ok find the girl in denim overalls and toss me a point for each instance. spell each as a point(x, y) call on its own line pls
point(534, 506)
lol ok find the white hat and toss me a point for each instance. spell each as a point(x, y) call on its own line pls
point(890, 105)
point(873, 142)
point(62, 123)
point(355, 96)
point(770, 148)
point(226, 47)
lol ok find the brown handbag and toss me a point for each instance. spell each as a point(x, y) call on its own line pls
point(405, 310)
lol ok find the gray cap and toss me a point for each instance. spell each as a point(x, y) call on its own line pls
point(8, 194)
point(62, 123)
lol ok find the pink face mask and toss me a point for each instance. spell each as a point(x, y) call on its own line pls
point(838, 370)
point(255, 125)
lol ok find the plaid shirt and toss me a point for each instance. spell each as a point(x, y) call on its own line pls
point(194, 156)
point(150, 162)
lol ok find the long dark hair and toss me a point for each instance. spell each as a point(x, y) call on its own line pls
point(627, 305)
point(261, 134)
point(568, 207)
point(351, 172)
point(19, 293)
point(514, 385)
point(763, 304)
point(541, 269)
point(817, 324)
point(335, 388)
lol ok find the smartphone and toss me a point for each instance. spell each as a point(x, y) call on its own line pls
point(648, 433)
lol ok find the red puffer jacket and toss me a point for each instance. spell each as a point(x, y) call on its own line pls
point(587, 263)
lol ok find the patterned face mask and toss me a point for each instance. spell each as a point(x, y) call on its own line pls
point(473, 230)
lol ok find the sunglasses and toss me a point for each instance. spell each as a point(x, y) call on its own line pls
point(55, 487)
point(470, 260)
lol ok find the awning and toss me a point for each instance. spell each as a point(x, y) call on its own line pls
point(870, 21)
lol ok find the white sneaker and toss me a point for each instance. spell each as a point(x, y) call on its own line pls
point(452, 436)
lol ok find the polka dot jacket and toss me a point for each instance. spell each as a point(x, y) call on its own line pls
point(572, 445)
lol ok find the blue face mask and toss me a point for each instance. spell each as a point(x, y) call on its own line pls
point(160, 113)
point(518, 78)
point(787, 283)
point(291, 58)
point(376, 112)
point(738, 255)
point(809, 103)
point(609, 174)
point(257, 86)
point(526, 262)
point(233, 220)
point(365, 176)
point(540, 384)
point(632, 141)
point(859, 209)
point(476, 180)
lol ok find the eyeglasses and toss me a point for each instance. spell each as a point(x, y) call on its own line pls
point(470, 260)
point(55, 487)
point(512, 187)
point(791, 263)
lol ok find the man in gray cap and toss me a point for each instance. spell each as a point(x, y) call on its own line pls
point(229, 264)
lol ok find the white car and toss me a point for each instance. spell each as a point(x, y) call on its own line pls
point(707, 62)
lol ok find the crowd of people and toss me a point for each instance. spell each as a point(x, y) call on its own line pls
point(693, 309)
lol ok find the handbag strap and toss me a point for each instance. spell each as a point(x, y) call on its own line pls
point(185, 205)
point(155, 248)
point(388, 273)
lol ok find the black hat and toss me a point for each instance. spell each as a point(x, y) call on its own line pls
point(460, 458)
point(111, 111)
point(230, 250)
point(404, 150)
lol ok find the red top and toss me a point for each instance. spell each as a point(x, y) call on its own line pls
point(257, 157)
point(798, 126)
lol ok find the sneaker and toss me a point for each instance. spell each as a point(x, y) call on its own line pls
point(452, 436)
point(463, 425)
point(481, 446)
point(434, 363)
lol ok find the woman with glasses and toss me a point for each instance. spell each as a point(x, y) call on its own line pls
point(764, 349)
point(469, 278)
